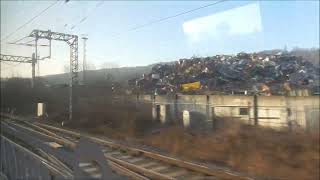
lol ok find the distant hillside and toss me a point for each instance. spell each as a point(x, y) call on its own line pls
point(308, 54)
point(120, 75)
point(311, 55)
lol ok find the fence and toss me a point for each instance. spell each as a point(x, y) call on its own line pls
point(17, 162)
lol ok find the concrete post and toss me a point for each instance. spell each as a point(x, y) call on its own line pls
point(155, 108)
point(213, 116)
point(255, 109)
point(214, 121)
point(164, 110)
point(155, 112)
point(186, 118)
point(36, 53)
point(70, 92)
point(208, 107)
point(84, 60)
point(175, 106)
point(41, 109)
point(153, 98)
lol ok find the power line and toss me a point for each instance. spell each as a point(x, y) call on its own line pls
point(20, 39)
point(85, 17)
point(30, 41)
point(31, 45)
point(169, 17)
point(15, 42)
point(33, 18)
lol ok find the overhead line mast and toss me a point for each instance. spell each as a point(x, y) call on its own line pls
point(72, 41)
point(84, 59)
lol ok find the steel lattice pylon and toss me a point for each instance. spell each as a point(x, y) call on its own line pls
point(72, 41)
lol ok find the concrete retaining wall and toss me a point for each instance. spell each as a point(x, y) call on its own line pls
point(271, 111)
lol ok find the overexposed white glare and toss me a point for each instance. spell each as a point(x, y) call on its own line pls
point(234, 22)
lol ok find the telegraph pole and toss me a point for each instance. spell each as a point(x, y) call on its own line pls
point(84, 59)
point(33, 65)
point(36, 55)
point(38, 67)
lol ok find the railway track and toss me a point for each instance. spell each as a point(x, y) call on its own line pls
point(90, 169)
point(132, 162)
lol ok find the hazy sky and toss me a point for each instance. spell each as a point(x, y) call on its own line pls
point(227, 27)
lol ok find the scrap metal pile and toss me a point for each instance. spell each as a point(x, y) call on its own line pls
point(254, 73)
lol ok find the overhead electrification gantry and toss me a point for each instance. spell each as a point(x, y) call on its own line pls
point(11, 58)
point(22, 59)
point(72, 41)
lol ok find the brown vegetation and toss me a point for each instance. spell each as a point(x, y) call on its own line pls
point(259, 152)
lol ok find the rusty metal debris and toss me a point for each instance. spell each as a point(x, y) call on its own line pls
point(255, 73)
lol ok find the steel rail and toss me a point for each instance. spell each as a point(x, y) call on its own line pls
point(113, 165)
point(150, 158)
point(125, 171)
point(62, 141)
point(170, 160)
point(53, 159)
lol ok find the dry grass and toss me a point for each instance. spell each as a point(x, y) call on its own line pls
point(257, 151)
point(117, 120)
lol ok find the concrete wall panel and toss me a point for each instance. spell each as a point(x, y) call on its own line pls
point(273, 111)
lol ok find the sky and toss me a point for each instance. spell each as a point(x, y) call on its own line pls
point(227, 27)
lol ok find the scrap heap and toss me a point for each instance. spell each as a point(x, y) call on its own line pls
point(250, 73)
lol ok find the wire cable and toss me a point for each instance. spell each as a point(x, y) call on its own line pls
point(85, 17)
point(30, 20)
point(20, 39)
point(27, 44)
point(30, 41)
point(169, 17)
